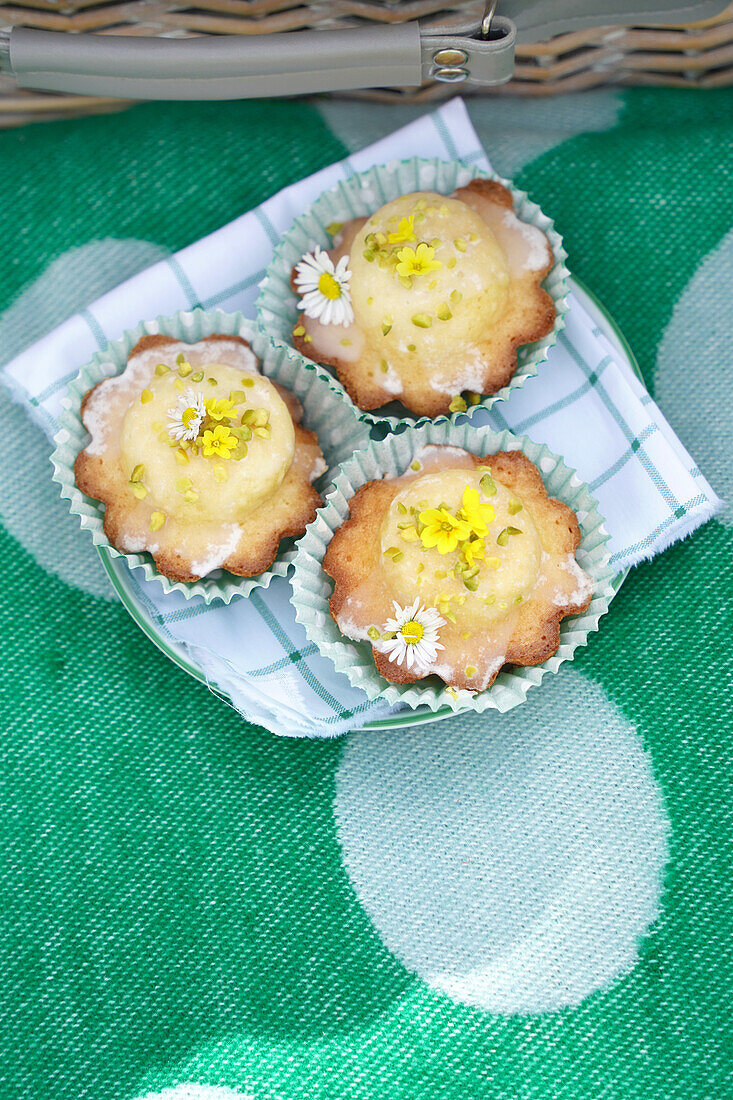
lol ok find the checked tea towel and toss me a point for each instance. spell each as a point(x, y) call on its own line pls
point(586, 405)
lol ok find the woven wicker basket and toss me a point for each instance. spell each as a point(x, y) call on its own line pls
point(698, 55)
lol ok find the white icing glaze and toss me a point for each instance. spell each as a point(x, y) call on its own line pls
point(218, 553)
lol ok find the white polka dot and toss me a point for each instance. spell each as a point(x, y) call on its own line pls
point(189, 1090)
point(512, 861)
point(34, 512)
point(511, 135)
point(693, 379)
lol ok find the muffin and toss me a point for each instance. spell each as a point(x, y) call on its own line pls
point(457, 567)
point(427, 300)
point(198, 458)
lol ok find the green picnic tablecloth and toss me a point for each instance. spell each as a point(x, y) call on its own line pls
point(535, 905)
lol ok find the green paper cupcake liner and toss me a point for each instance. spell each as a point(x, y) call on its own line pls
point(389, 458)
point(338, 430)
point(364, 193)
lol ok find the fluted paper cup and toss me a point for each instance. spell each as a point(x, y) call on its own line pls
point(362, 194)
point(390, 457)
point(338, 431)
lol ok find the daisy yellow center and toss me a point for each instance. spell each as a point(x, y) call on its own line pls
point(411, 632)
point(188, 415)
point(328, 286)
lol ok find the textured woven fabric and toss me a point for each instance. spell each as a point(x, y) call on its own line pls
point(532, 905)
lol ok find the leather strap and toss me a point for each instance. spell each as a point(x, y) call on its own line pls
point(235, 67)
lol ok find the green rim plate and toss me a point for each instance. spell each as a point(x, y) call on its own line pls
point(119, 573)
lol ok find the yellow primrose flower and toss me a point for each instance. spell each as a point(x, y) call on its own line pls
point(219, 407)
point(442, 530)
point(417, 261)
point(477, 514)
point(220, 443)
point(405, 231)
point(474, 548)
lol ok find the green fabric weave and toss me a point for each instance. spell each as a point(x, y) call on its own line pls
point(191, 906)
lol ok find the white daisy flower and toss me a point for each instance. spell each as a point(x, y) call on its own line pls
point(186, 418)
point(416, 630)
point(324, 288)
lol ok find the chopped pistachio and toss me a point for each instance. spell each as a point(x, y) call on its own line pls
point(220, 473)
point(180, 358)
point(182, 458)
point(138, 489)
point(415, 466)
point(182, 484)
point(370, 301)
point(406, 282)
point(451, 263)
point(240, 451)
point(237, 397)
point(493, 563)
point(373, 633)
point(436, 243)
point(161, 369)
point(411, 347)
point(146, 396)
point(513, 507)
point(368, 255)
point(299, 330)
point(443, 312)
point(519, 599)
point(262, 433)
point(432, 285)
point(137, 472)
point(386, 328)
point(198, 376)
point(455, 297)
point(422, 320)
point(443, 210)
point(163, 437)
point(185, 369)
point(191, 496)
point(489, 600)
point(401, 508)
point(248, 383)
point(440, 574)
point(333, 228)
point(457, 404)
point(179, 385)
point(487, 485)
point(212, 381)
point(381, 239)
point(420, 566)
point(245, 433)
point(471, 583)
point(410, 534)
point(459, 244)
point(346, 343)
point(157, 520)
point(471, 671)
point(503, 537)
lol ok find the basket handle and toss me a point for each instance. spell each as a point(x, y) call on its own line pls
point(234, 67)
